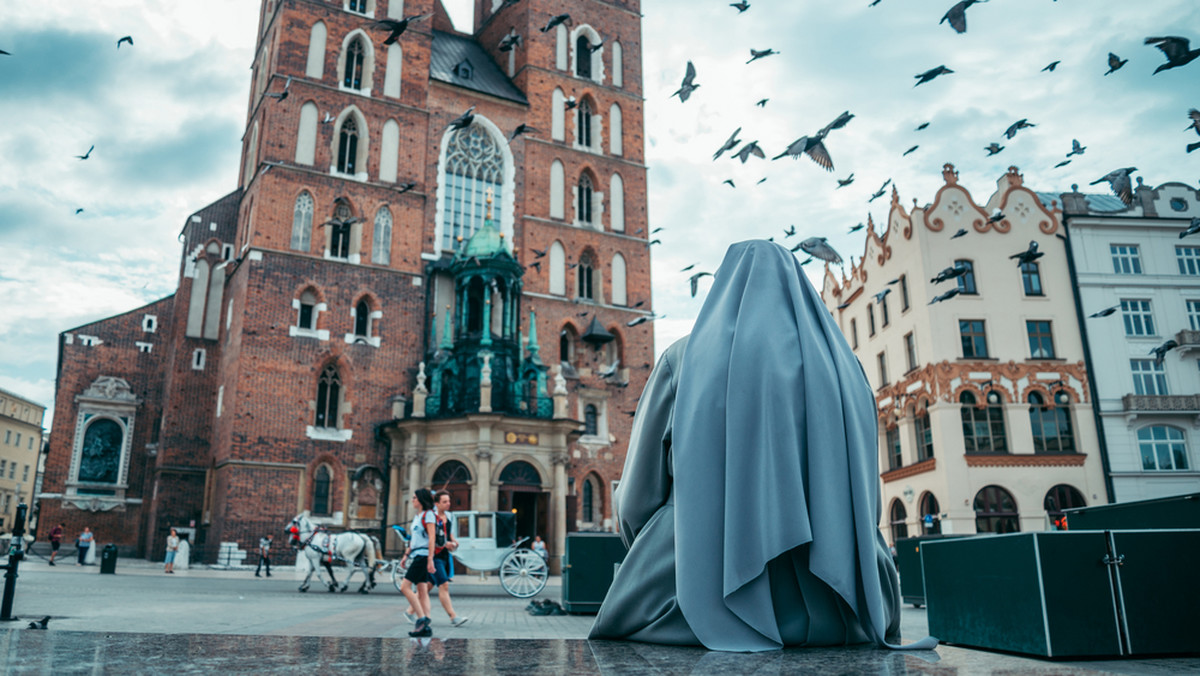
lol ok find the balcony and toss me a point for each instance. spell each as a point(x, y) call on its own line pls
point(1137, 405)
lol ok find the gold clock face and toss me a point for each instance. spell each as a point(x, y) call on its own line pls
point(511, 437)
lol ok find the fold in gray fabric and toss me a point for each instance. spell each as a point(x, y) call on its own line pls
point(750, 493)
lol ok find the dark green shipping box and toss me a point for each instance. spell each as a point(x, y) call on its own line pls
point(588, 569)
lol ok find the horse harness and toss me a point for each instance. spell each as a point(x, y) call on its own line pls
point(325, 546)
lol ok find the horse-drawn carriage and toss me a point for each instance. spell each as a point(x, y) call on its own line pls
point(487, 542)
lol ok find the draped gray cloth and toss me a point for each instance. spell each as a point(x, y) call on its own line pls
point(750, 494)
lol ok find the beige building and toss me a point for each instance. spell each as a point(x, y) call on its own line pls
point(20, 445)
point(985, 421)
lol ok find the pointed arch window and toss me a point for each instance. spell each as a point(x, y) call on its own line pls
point(588, 501)
point(320, 499)
point(302, 216)
point(583, 123)
point(586, 270)
point(340, 229)
point(347, 162)
point(329, 394)
point(307, 318)
point(381, 246)
point(558, 269)
point(583, 56)
point(1052, 431)
point(983, 428)
point(474, 166)
point(352, 76)
point(583, 200)
point(362, 319)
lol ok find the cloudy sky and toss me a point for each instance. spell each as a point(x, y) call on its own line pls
point(166, 117)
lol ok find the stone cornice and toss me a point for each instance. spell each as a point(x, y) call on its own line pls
point(922, 467)
point(1038, 460)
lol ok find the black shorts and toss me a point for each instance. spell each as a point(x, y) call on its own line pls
point(418, 572)
point(54, 546)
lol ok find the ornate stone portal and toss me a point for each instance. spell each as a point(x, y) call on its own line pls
point(103, 438)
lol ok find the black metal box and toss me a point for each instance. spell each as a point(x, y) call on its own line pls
point(1067, 593)
point(1179, 511)
point(908, 564)
point(588, 564)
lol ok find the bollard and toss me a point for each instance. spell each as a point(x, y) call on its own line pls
point(15, 554)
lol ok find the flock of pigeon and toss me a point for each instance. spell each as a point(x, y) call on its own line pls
point(1176, 50)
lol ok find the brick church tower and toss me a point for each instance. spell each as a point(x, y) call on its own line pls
point(326, 348)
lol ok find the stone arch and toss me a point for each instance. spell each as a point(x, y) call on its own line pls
point(368, 63)
point(362, 152)
point(595, 60)
point(503, 210)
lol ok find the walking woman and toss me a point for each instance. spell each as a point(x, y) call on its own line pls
point(419, 577)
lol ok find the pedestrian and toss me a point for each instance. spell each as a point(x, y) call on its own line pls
point(172, 549)
point(539, 547)
point(84, 542)
point(264, 554)
point(421, 568)
point(56, 534)
point(764, 401)
point(443, 564)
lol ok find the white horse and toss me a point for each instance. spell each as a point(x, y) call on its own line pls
point(324, 548)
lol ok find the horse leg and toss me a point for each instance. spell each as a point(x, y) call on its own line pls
point(304, 585)
point(333, 583)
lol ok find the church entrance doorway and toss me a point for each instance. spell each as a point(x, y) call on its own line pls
point(521, 493)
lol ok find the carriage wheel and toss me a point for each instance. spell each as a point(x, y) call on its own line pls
point(523, 573)
point(398, 572)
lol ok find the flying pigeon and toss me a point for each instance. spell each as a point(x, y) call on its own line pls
point(87, 154)
point(928, 75)
point(843, 182)
point(405, 187)
point(509, 42)
point(882, 294)
point(1118, 180)
point(910, 151)
point(996, 216)
point(1028, 255)
point(817, 247)
point(1115, 62)
point(814, 146)
point(1195, 115)
point(1062, 164)
point(749, 149)
point(398, 26)
point(1193, 228)
point(729, 182)
point(522, 129)
point(993, 148)
point(282, 96)
point(556, 20)
point(127, 38)
point(694, 280)
point(961, 233)
point(1017, 126)
point(1176, 50)
point(761, 103)
point(729, 144)
point(740, 6)
point(950, 273)
point(1105, 312)
point(1160, 352)
point(641, 320)
point(922, 126)
point(688, 85)
point(957, 15)
point(856, 228)
point(1050, 68)
point(946, 296)
point(756, 54)
point(1076, 149)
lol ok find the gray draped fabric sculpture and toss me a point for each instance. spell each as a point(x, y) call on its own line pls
point(750, 494)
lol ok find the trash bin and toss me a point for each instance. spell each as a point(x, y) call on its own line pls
point(108, 560)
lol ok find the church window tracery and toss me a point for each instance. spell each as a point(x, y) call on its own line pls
point(474, 166)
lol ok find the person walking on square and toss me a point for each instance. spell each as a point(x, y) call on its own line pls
point(172, 549)
point(421, 568)
point(444, 566)
point(264, 554)
point(56, 534)
point(85, 544)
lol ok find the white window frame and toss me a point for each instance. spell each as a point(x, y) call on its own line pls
point(1149, 378)
point(149, 323)
point(1188, 258)
point(1138, 319)
point(1155, 448)
point(1126, 259)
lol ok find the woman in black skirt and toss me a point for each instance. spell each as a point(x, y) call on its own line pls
point(421, 565)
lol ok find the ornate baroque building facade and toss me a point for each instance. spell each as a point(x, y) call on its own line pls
point(985, 420)
point(385, 302)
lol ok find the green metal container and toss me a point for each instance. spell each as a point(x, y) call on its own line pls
point(588, 565)
point(1179, 511)
point(1067, 593)
point(908, 564)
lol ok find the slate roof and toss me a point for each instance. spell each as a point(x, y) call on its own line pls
point(450, 50)
point(1097, 203)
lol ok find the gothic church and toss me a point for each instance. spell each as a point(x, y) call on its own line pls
point(386, 302)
